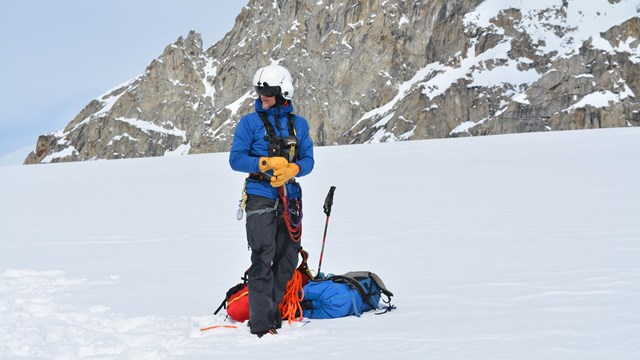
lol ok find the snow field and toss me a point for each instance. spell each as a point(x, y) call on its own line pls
point(501, 247)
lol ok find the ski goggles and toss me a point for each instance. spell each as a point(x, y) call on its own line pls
point(267, 90)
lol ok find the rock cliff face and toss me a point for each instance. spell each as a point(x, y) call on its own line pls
point(376, 71)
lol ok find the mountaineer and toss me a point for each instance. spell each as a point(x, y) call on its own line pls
point(273, 146)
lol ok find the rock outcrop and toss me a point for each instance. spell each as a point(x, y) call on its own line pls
point(376, 71)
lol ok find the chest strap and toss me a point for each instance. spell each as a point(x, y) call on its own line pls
point(275, 146)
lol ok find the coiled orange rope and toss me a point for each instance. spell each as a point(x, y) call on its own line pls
point(290, 307)
point(295, 232)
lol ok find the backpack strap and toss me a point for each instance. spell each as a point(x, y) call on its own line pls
point(271, 134)
point(365, 295)
point(272, 137)
point(230, 293)
point(351, 282)
point(291, 125)
point(220, 307)
point(361, 275)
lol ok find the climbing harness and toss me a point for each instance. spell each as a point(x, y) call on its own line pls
point(286, 147)
point(263, 211)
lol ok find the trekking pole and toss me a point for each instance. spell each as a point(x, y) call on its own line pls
point(328, 202)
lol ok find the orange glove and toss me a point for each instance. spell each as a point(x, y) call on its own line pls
point(282, 175)
point(272, 163)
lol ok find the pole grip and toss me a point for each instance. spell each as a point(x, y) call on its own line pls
point(328, 201)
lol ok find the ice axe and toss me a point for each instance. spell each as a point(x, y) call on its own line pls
point(328, 202)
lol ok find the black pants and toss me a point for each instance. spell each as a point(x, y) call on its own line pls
point(274, 257)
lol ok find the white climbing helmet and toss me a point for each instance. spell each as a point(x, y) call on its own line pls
point(273, 80)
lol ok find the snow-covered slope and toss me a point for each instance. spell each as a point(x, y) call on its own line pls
point(502, 247)
point(554, 29)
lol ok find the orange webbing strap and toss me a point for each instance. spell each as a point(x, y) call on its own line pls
point(219, 326)
point(290, 307)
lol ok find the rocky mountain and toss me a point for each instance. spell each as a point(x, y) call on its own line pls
point(377, 71)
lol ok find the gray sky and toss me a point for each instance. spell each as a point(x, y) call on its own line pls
point(58, 55)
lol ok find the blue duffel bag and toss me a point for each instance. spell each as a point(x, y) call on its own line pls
point(342, 295)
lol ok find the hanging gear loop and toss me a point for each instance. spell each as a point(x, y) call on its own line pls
point(294, 227)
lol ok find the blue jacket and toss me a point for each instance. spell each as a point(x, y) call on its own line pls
point(250, 143)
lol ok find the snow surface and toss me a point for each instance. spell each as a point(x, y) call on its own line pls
point(500, 247)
